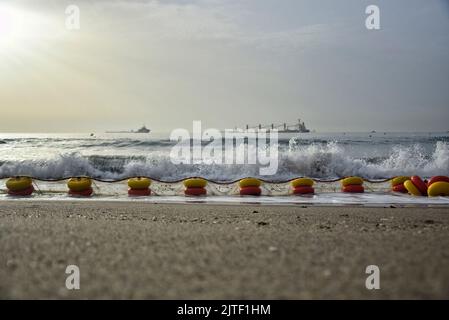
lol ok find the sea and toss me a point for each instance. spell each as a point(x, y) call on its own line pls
point(323, 156)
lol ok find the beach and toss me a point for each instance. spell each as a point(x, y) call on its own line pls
point(202, 251)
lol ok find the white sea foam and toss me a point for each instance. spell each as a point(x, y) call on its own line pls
point(332, 160)
point(319, 160)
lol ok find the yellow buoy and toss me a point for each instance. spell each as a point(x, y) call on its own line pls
point(250, 182)
point(399, 180)
point(439, 188)
point(195, 183)
point(19, 183)
point(139, 183)
point(351, 181)
point(302, 182)
point(79, 184)
point(411, 188)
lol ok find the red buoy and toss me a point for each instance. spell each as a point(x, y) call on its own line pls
point(353, 188)
point(400, 188)
point(139, 192)
point(250, 191)
point(303, 190)
point(437, 179)
point(84, 193)
point(194, 191)
point(22, 193)
point(421, 185)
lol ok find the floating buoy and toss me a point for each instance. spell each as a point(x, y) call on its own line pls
point(352, 185)
point(195, 183)
point(400, 188)
point(303, 190)
point(412, 189)
point(84, 193)
point(195, 191)
point(302, 182)
point(399, 180)
point(250, 191)
point(421, 185)
point(250, 182)
point(302, 186)
point(22, 193)
point(79, 183)
point(195, 187)
point(139, 183)
point(397, 184)
point(139, 187)
point(437, 179)
point(80, 186)
point(439, 188)
point(351, 181)
point(250, 187)
point(139, 192)
point(20, 186)
point(353, 188)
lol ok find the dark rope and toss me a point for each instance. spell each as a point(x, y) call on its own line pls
point(209, 180)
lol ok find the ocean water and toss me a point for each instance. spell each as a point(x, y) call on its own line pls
point(318, 155)
point(324, 156)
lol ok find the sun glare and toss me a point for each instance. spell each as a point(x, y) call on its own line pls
point(11, 25)
point(18, 28)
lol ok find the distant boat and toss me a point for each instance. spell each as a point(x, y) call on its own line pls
point(143, 129)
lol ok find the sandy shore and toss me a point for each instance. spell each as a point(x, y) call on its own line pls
point(138, 250)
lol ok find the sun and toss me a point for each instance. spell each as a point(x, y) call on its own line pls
point(11, 25)
point(18, 28)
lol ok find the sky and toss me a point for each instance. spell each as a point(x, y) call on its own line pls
point(224, 62)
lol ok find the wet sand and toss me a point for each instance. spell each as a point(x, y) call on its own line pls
point(200, 251)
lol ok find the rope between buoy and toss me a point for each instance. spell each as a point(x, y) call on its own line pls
point(383, 180)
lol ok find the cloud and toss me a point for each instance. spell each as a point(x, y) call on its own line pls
point(200, 20)
point(229, 61)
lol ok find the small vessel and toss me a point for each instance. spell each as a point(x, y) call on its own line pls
point(143, 129)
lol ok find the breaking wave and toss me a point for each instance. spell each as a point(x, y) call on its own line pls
point(317, 159)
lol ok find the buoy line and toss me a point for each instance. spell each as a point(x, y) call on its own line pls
point(383, 180)
point(81, 186)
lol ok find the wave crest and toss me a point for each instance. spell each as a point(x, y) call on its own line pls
point(315, 160)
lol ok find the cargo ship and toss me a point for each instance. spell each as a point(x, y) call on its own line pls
point(299, 127)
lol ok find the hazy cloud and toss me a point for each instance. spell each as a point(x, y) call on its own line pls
point(228, 63)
